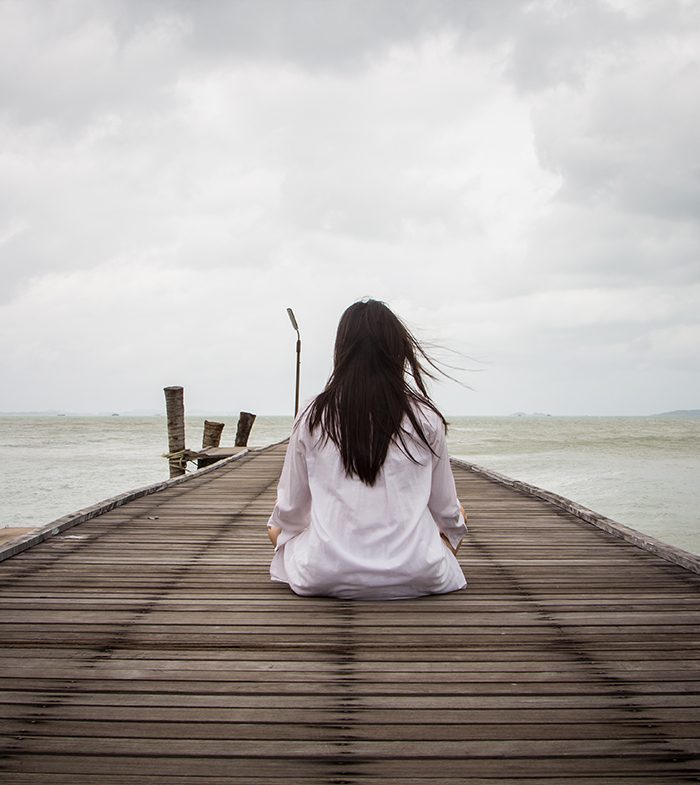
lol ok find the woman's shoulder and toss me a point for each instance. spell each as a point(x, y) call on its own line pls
point(302, 427)
point(430, 420)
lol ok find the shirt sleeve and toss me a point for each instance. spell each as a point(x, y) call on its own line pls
point(292, 512)
point(443, 503)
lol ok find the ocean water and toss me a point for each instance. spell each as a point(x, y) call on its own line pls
point(641, 471)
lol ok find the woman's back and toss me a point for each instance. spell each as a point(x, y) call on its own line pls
point(344, 538)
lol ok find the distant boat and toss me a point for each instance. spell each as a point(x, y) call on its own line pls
point(115, 414)
point(60, 414)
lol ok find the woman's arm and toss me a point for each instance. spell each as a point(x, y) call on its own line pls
point(292, 512)
point(443, 504)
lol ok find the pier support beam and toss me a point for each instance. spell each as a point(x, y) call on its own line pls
point(210, 438)
point(212, 433)
point(245, 424)
point(175, 411)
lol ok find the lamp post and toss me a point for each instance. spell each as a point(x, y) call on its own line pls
point(293, 320)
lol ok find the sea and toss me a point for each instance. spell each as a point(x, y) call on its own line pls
point(641, 471)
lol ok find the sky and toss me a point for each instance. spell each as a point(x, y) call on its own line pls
point(518, 181)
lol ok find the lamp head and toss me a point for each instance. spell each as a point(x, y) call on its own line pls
point(292, 319)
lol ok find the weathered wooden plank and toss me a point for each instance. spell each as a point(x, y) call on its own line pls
point(488, 720)
point(357, 699)
point(366, 688)
point(410, 750)
point(292, 728)
point(341, 778)
point(339, 765)
point(463, 675)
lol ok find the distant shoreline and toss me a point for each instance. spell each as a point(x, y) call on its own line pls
point(209, 414)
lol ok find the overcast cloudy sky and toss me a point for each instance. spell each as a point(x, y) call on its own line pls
point(520, 181)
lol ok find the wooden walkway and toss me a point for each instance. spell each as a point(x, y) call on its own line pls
point(148, 647)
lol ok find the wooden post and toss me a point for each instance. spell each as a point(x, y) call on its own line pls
point(245, 424)
point(175, 410)
point(210, 438)
point(212, 433)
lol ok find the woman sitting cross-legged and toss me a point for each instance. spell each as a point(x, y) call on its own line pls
point(366, 504)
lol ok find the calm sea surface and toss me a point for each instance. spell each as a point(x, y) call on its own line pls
point(641, 471)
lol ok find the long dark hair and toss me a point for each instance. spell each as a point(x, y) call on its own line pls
point(378, 379)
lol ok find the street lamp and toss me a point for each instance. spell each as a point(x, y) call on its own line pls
point(293, 320)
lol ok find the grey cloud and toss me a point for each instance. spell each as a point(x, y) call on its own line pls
point(622, 141)
point(320, 34)
point(109, 43)
point(581, 245)
point(63, 63)
point(630, 144)
point(558, 43)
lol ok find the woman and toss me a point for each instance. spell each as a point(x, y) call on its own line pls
point(366, 503)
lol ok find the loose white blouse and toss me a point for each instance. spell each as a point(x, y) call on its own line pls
point(343, 538)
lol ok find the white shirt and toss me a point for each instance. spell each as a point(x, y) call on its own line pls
point(343, 538)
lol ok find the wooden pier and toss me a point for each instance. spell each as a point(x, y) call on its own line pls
point(146, 645)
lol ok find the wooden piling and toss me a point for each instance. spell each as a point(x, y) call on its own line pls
point(245, 424)
point(211, 437)
point(175, 411)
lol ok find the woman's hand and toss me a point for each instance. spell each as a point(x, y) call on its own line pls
point(449, 544)
point(444, 537)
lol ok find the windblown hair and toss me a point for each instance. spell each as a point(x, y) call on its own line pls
point(377, 380)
